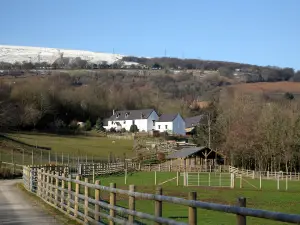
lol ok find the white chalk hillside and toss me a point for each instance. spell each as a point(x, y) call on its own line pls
point(12, 54)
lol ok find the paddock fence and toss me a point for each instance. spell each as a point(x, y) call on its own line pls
point(83, 202)
point(265, 174)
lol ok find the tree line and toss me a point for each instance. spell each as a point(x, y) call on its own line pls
point(253, 132)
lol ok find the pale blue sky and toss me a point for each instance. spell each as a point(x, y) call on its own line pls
point(263, 32)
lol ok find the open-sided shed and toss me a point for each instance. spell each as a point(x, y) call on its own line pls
point(197, 156)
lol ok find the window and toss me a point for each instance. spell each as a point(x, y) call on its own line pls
point(153, 122)
point(124, 122)
point(158, 126)
point(166, 126)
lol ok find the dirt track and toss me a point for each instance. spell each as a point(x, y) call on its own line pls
point(17, 208)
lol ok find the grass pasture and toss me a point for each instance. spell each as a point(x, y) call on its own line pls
point(269, 198)
point(73, 146)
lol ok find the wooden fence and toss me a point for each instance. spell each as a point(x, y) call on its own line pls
point(265, 174)
point(81, 201)
point(97, 169)
point(15, 168)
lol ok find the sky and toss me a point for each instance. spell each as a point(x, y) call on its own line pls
point(261, 32)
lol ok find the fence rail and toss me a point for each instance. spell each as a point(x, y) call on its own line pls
point(265, 174)
point(81, 201)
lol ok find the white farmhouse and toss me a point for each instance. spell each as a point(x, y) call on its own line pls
point(144, 119)
point(172, 123)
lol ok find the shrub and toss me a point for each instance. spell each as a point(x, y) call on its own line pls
point(88, 125)
point(161, 156)
point(134, 128)
point(123, 130)
point(73, 125)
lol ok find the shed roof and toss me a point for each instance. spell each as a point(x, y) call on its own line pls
point(186, 152)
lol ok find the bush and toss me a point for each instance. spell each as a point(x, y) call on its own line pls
point(73, 125)
point(134, 128)
point(88, 125)
point(123, 130)
point(289, 96)
point(161, 156)
point(99, 125)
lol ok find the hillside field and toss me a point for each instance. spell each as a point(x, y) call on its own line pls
point(77, 145)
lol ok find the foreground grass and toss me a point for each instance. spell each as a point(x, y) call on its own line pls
point(268, 198)
point(79, 145)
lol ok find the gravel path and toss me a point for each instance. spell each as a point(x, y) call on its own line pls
point(17, 208)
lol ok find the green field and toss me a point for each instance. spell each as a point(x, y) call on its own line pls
point(268, 198)
point(81, 146)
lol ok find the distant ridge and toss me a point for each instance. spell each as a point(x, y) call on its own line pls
point(12, 54)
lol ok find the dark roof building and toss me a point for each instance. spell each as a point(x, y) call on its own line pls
point(131, 114)
point(192, 121)
point(188, 152)
point(167, 117)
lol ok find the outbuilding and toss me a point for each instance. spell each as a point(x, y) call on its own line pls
point(197, 156)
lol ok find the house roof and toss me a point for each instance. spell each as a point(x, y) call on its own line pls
point(192, 121)
point(131, 114)
point(167, 117)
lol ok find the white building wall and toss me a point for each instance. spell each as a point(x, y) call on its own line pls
point(161, 126)
point(141, 124)
point(179, 125)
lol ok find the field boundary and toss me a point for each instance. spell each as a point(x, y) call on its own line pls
point(57, 191)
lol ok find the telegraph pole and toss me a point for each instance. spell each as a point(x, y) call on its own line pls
point(209, 136)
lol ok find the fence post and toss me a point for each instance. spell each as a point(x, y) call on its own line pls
point(131, 204)
point(241, 220)
point(192, 210)
point(76, 197)
point(56, 191)
point(209, 179)
point(253, 174)
point(177, 178)
point(86, 200)
point(112, 202)
point(97, 198)
point(278, 183)
point(158, 205)
point(47, 186)
point(198, 176)
point(93, 173)
point(260, 181)
point(69, 194)
point(220, 179)
point(38, 188)
point(51, 187)
point(155, 178)
point(241, 181)
point(125, 176)
point(62, 193)
point(286, 182)
point(232, 182)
